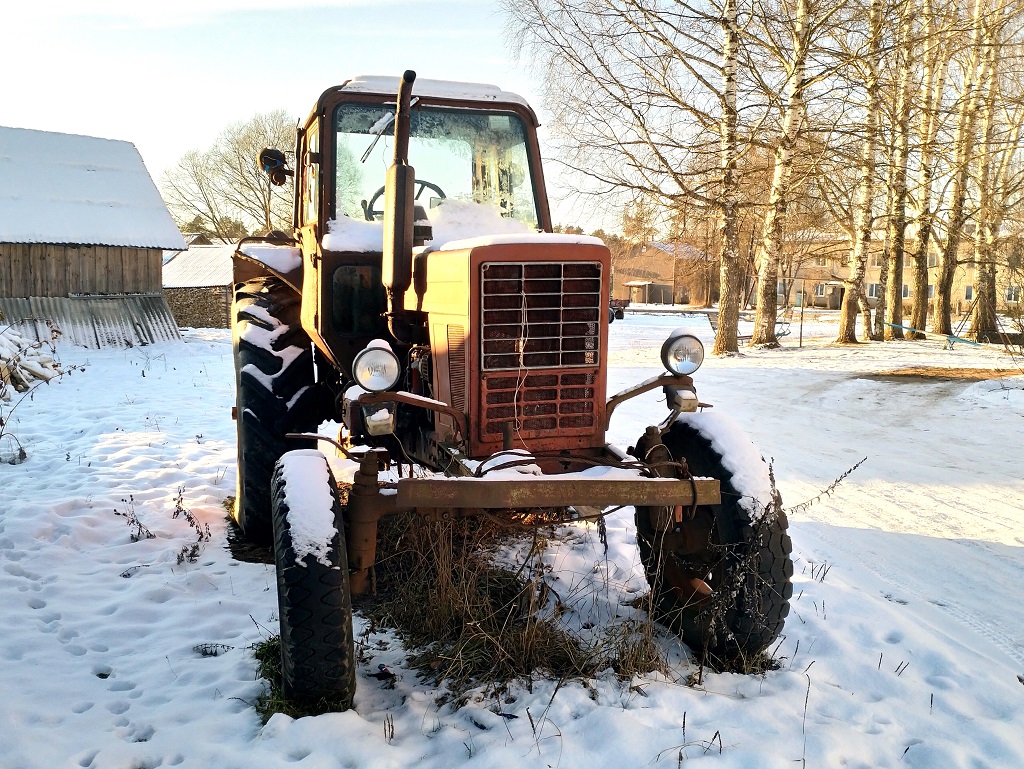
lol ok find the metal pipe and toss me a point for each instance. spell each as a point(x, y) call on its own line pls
point(364, 510)
point(399, 186)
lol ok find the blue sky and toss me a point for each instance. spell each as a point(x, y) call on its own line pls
point(169, 76)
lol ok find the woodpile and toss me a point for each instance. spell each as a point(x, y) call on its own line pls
point(22, 362)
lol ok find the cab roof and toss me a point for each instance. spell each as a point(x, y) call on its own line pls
point(439, 89)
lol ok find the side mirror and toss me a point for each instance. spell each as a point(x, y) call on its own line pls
point(274, 165)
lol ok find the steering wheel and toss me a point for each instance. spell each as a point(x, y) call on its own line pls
point(372, 215)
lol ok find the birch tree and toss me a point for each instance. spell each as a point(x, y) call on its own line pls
point(889, 315)
point(653, 105)
point(963, 148)
point(937, 54)
point(778, 199)
point(729, 296)
point(854, 297)
point(983, 317)
point(1000, 187)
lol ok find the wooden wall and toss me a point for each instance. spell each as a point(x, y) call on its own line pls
point(42, 269)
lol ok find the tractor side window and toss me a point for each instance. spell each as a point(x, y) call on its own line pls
point(310, 176)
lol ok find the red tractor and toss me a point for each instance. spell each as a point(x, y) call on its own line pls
point(423, 302)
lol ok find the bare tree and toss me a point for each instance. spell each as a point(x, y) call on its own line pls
point(191, 193)
point(778, 200)
point(729, 296)
point(889, 315)
point(864, 217)
point(685, 104)
point(786, 35)
point(640, 220)
point(653, 106)
point(1000, 181)
point(225, 181)
point(963, 149)
point(938, 51)
point(692, 229)
point(986, 220)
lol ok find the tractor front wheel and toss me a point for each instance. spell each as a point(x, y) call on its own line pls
point(314, 600)
point(720, 578)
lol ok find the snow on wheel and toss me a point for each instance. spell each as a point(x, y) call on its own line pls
point(721, 578)
point(315, 605)
point(275, 395)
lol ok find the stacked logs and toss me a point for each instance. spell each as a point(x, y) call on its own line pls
point(22, 362)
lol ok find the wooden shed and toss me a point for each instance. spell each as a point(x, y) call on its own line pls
point(198, 286)
point(82, 234)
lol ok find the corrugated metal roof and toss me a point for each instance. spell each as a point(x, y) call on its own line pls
point(63, 188)
point(200, 267)
point(120, 320)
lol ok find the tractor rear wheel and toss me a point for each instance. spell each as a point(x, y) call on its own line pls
point(722, 578)
point(314, 600)
point(275, 393)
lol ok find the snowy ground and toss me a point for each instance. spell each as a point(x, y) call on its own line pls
point(904, 648)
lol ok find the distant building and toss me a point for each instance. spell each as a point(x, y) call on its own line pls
point(197, 284)
point(819, 263)
point(82, 234)
point(661, 273)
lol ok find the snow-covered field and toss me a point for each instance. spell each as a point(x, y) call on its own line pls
point(905, 646)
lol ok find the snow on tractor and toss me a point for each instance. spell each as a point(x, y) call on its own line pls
point(430, 310)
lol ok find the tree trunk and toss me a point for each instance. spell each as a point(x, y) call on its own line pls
point(729, 298)
point(775, 222)
point(892, 296)
point(863, 218)
point(963, 151)
point(983, 315)
point(933, 81)
point(878, 331)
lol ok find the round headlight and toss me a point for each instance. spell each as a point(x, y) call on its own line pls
point(682, 352)
point(376, 368)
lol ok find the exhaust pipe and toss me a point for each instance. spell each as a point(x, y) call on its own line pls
point(399, 187)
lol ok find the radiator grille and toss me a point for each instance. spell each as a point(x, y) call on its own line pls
point(544, 402)
point(540, 315)
point(537, 320)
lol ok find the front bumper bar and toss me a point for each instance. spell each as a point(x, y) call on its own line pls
point(368, 501)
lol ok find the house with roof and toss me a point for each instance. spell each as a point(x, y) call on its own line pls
point(82, 235)
point(664, 273)
point(198, 286)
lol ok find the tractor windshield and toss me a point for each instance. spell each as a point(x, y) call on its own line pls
point(468, 155)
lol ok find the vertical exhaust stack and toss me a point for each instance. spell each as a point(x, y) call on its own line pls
point(399, 187)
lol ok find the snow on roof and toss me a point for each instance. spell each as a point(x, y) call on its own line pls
point(200, 267)
point(440, 89)
point(63, 188)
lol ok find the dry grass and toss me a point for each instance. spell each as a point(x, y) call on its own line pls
point(268, 658)
point(942, 374)
point(473, 622)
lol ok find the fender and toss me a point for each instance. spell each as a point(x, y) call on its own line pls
point(259, 256)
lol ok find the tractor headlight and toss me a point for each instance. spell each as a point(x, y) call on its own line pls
point(682, 352)
point(376, 368)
